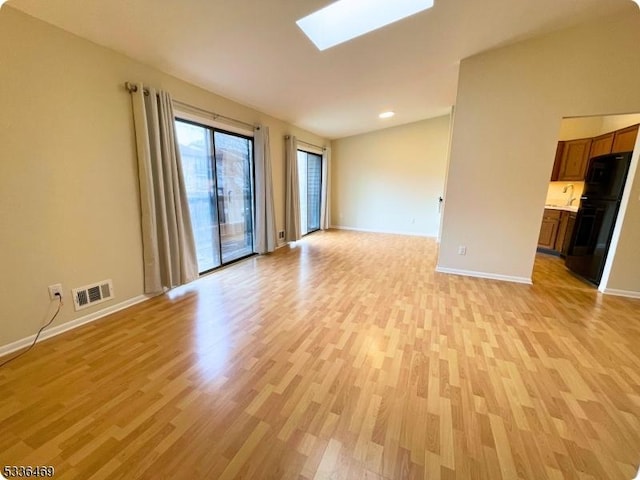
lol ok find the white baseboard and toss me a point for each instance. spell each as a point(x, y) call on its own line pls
point(65, 327)
point(489, 276)
point(621, 293)
point(392, 232)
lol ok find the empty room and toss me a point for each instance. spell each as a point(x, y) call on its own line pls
point(320, 239)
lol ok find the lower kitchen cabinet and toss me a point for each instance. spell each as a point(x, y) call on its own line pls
point(549, 229)
point(570, 223)
point(556, 230)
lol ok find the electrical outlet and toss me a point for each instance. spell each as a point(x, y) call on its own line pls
point(54, 290)
point(281, 234)
point(462, 250)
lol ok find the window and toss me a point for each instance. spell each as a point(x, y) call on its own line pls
point(218, 173)
point(310, 185)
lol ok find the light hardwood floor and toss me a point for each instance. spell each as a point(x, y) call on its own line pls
point(344, 357)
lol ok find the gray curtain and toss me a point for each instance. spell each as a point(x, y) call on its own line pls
point(292, 199)
point(264, 231)
point(325, 196)
point(169, 250)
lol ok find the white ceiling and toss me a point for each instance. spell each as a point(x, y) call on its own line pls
point(252, 51)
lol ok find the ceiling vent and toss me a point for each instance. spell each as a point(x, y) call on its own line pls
point(93, 294)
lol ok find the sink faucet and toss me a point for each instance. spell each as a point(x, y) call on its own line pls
point(571, 197)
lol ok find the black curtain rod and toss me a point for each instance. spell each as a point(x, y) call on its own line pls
point(214, 115)
point(307, 143)
point(134, 88)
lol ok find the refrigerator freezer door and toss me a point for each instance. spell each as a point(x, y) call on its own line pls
point(606, 176)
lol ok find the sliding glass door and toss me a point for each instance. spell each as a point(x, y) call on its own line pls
point(218, 176)
point(310, 186)
point(235, 195)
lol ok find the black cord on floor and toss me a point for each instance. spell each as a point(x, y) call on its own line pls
point(37, 335)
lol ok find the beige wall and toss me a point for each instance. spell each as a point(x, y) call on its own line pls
point(508, 112)
point(616, 122)
point(69, 201)
point(584, 127)
point(390, 180)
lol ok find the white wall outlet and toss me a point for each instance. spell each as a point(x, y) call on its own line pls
point(54, 290)
point(281, 234)
point(462, 250)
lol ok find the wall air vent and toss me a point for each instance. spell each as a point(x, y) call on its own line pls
point(93, 294)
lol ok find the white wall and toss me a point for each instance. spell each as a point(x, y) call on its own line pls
point(68, 184)
point(509, 107)
point(390, 180)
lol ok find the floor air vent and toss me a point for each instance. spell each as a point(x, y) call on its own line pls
point(93, 294)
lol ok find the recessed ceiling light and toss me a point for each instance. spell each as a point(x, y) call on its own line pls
point(1, 2)
point(637, 2)
point(347, 19)
point(386, 114)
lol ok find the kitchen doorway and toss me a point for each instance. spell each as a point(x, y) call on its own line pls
point(585, 197)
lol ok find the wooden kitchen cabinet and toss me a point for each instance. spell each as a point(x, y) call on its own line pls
point(570, 224)
point(556, 229)
point(601, 145)
point(563, 224)
point(549, 229)
point(624, 140)
point(557, 163)
point(575, 159)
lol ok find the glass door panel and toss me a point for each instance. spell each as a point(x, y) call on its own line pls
point(235, 195)
point(302, 188)
point(314, 190)
point(310, 187)
point(195, 145)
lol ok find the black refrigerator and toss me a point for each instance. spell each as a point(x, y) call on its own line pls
point(596, 217)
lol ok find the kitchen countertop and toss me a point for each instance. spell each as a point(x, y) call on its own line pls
point(566, 208)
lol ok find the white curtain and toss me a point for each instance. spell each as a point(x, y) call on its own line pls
point(325, 196)
point(292, 199)
point(264, 231)
point(169, 250)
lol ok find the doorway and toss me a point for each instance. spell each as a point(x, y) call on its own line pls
point(583, 144)
point(218, 174)
point(310, 187)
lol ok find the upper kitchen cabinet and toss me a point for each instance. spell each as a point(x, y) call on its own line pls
point(555, 174)
point(575, 159)
point(601, 145)
point(572, 156)
point(625, 139)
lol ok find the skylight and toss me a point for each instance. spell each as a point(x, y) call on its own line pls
point(346, 19)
